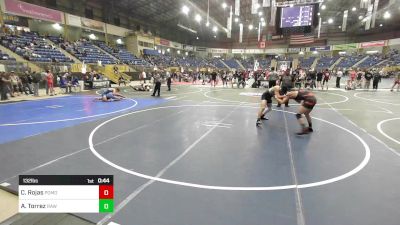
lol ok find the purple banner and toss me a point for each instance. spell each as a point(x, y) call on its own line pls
point(32, 11)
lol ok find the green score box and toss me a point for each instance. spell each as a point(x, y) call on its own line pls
point(106, 205)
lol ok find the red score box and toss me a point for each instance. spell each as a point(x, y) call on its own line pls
point(106, 192)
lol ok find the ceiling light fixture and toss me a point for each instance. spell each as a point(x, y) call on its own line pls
point(92, 36)
point(330, 20)
point(57, 26)
point(323, 7)
point(224, 5)
point(185, 10)
point(251, 27)
point(215, 29)
point(353, 9)
point(387, 15)
point(197, 18)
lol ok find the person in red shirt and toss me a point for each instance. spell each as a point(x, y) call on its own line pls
point(353, 75)
point(327, 77)
point(50, 82)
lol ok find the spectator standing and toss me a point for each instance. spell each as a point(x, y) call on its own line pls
point(36, 78)
point(273, 77)
point(169, 81)
point(353, 75)
point(213, 78)
point(368, 76)
point(286, 85)
point(359, 78)
point(157, 87)
point(30, 81)
point(121, 80)
point(225, 79)
point(339, 75)
point(44, 79)
point(313, 76)
point(396, 81)
point(144, 76)
point(14, 84)
point(327, 77)
point(376, 79)
point(25, 84)
point(50, 82)
point(4, 86)
point(319, 78)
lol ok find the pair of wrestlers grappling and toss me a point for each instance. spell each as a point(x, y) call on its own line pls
point(305, 97)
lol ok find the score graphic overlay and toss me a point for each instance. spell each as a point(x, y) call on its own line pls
point(297, 16)
point(66, 193)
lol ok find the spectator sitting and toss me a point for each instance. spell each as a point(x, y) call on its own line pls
point(65, 84)
point(121, 80)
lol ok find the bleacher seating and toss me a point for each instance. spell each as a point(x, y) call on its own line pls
point(34, 48)
point(326, 62)
point(86, 51)
point(306, 63)
point(232, 63)
point(247, 63)
point(394, 60)
point(216, 62)
point(264, 63)
point(370, 61)
point(122, 54)
point(349, 61)
point(4, 56)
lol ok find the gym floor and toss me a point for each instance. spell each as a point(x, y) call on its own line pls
point(194, 156)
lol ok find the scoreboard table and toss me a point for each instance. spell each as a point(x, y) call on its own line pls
point(66, 194)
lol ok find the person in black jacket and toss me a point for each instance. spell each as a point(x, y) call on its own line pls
point(169, 81)
point(313, 76)
point(36, 78)
point(368, 76)
point(4, 85)
point(319, 78)
point(157, 87)
point(376, 80)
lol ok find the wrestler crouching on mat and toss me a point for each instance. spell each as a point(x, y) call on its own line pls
point(308, 101)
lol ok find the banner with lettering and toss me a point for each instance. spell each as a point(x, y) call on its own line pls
point(32, 11)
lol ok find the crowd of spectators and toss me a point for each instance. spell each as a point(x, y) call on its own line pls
point(13, 84)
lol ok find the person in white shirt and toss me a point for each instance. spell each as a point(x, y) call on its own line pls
point(339, 75)
point(144, 76)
